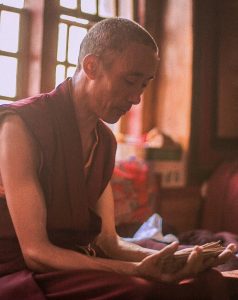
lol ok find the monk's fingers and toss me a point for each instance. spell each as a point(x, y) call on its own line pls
point(193, 265)
point(221, 258)
point(169, 250)
point(232, 247)
point(224, 256)
point(189, 269)
point(161, 256)
point(195, 261)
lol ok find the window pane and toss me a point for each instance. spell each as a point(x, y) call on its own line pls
point(126, 9)
point(69, 3)
point(74, 19)
point(8, 76)
point(9, 31)
point(70, 71)
point(76, 35)
point(5, 101)
point(60, 74)
point(107, 8)
point(62, 42)
point(14, 3)
point(89, 7)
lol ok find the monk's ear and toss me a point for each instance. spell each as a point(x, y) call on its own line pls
point(91, 65)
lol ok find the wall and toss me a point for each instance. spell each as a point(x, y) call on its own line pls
point(207, 150)
point(175, 73)
point(167, 101)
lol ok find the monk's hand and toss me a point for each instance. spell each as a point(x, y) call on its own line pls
point(159, 266)
point(222, 258)
point(164, 266)
point(167, 266)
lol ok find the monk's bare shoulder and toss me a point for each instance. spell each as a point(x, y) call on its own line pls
point(16, 142)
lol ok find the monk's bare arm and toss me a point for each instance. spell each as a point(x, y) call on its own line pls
point(111, 244)
point(19, 161)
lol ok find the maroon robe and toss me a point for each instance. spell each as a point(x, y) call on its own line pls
point(69, 196)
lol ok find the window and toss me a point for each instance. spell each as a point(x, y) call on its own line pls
point(70, 29)
point(75, 18)
point(47, 44)
point(11, 48)
point(69, 21)
point(63, 22)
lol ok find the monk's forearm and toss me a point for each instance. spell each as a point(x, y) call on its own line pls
point(55, 258)
point(117, 248)
point(133, 252)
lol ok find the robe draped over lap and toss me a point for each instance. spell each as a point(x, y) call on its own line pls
point(70, 195)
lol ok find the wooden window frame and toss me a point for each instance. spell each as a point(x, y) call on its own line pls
point(52, 12)
point(21, 55)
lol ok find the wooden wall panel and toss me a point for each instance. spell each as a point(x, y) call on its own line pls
point(206, 152)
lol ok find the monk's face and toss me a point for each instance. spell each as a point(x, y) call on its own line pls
point(122, 82)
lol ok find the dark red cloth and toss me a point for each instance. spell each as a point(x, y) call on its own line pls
point(102, 285)
point(221, 206)
point(20, 285)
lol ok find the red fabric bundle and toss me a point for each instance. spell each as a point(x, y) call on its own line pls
point(135, 192)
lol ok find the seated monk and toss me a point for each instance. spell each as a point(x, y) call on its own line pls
point(57, 230)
